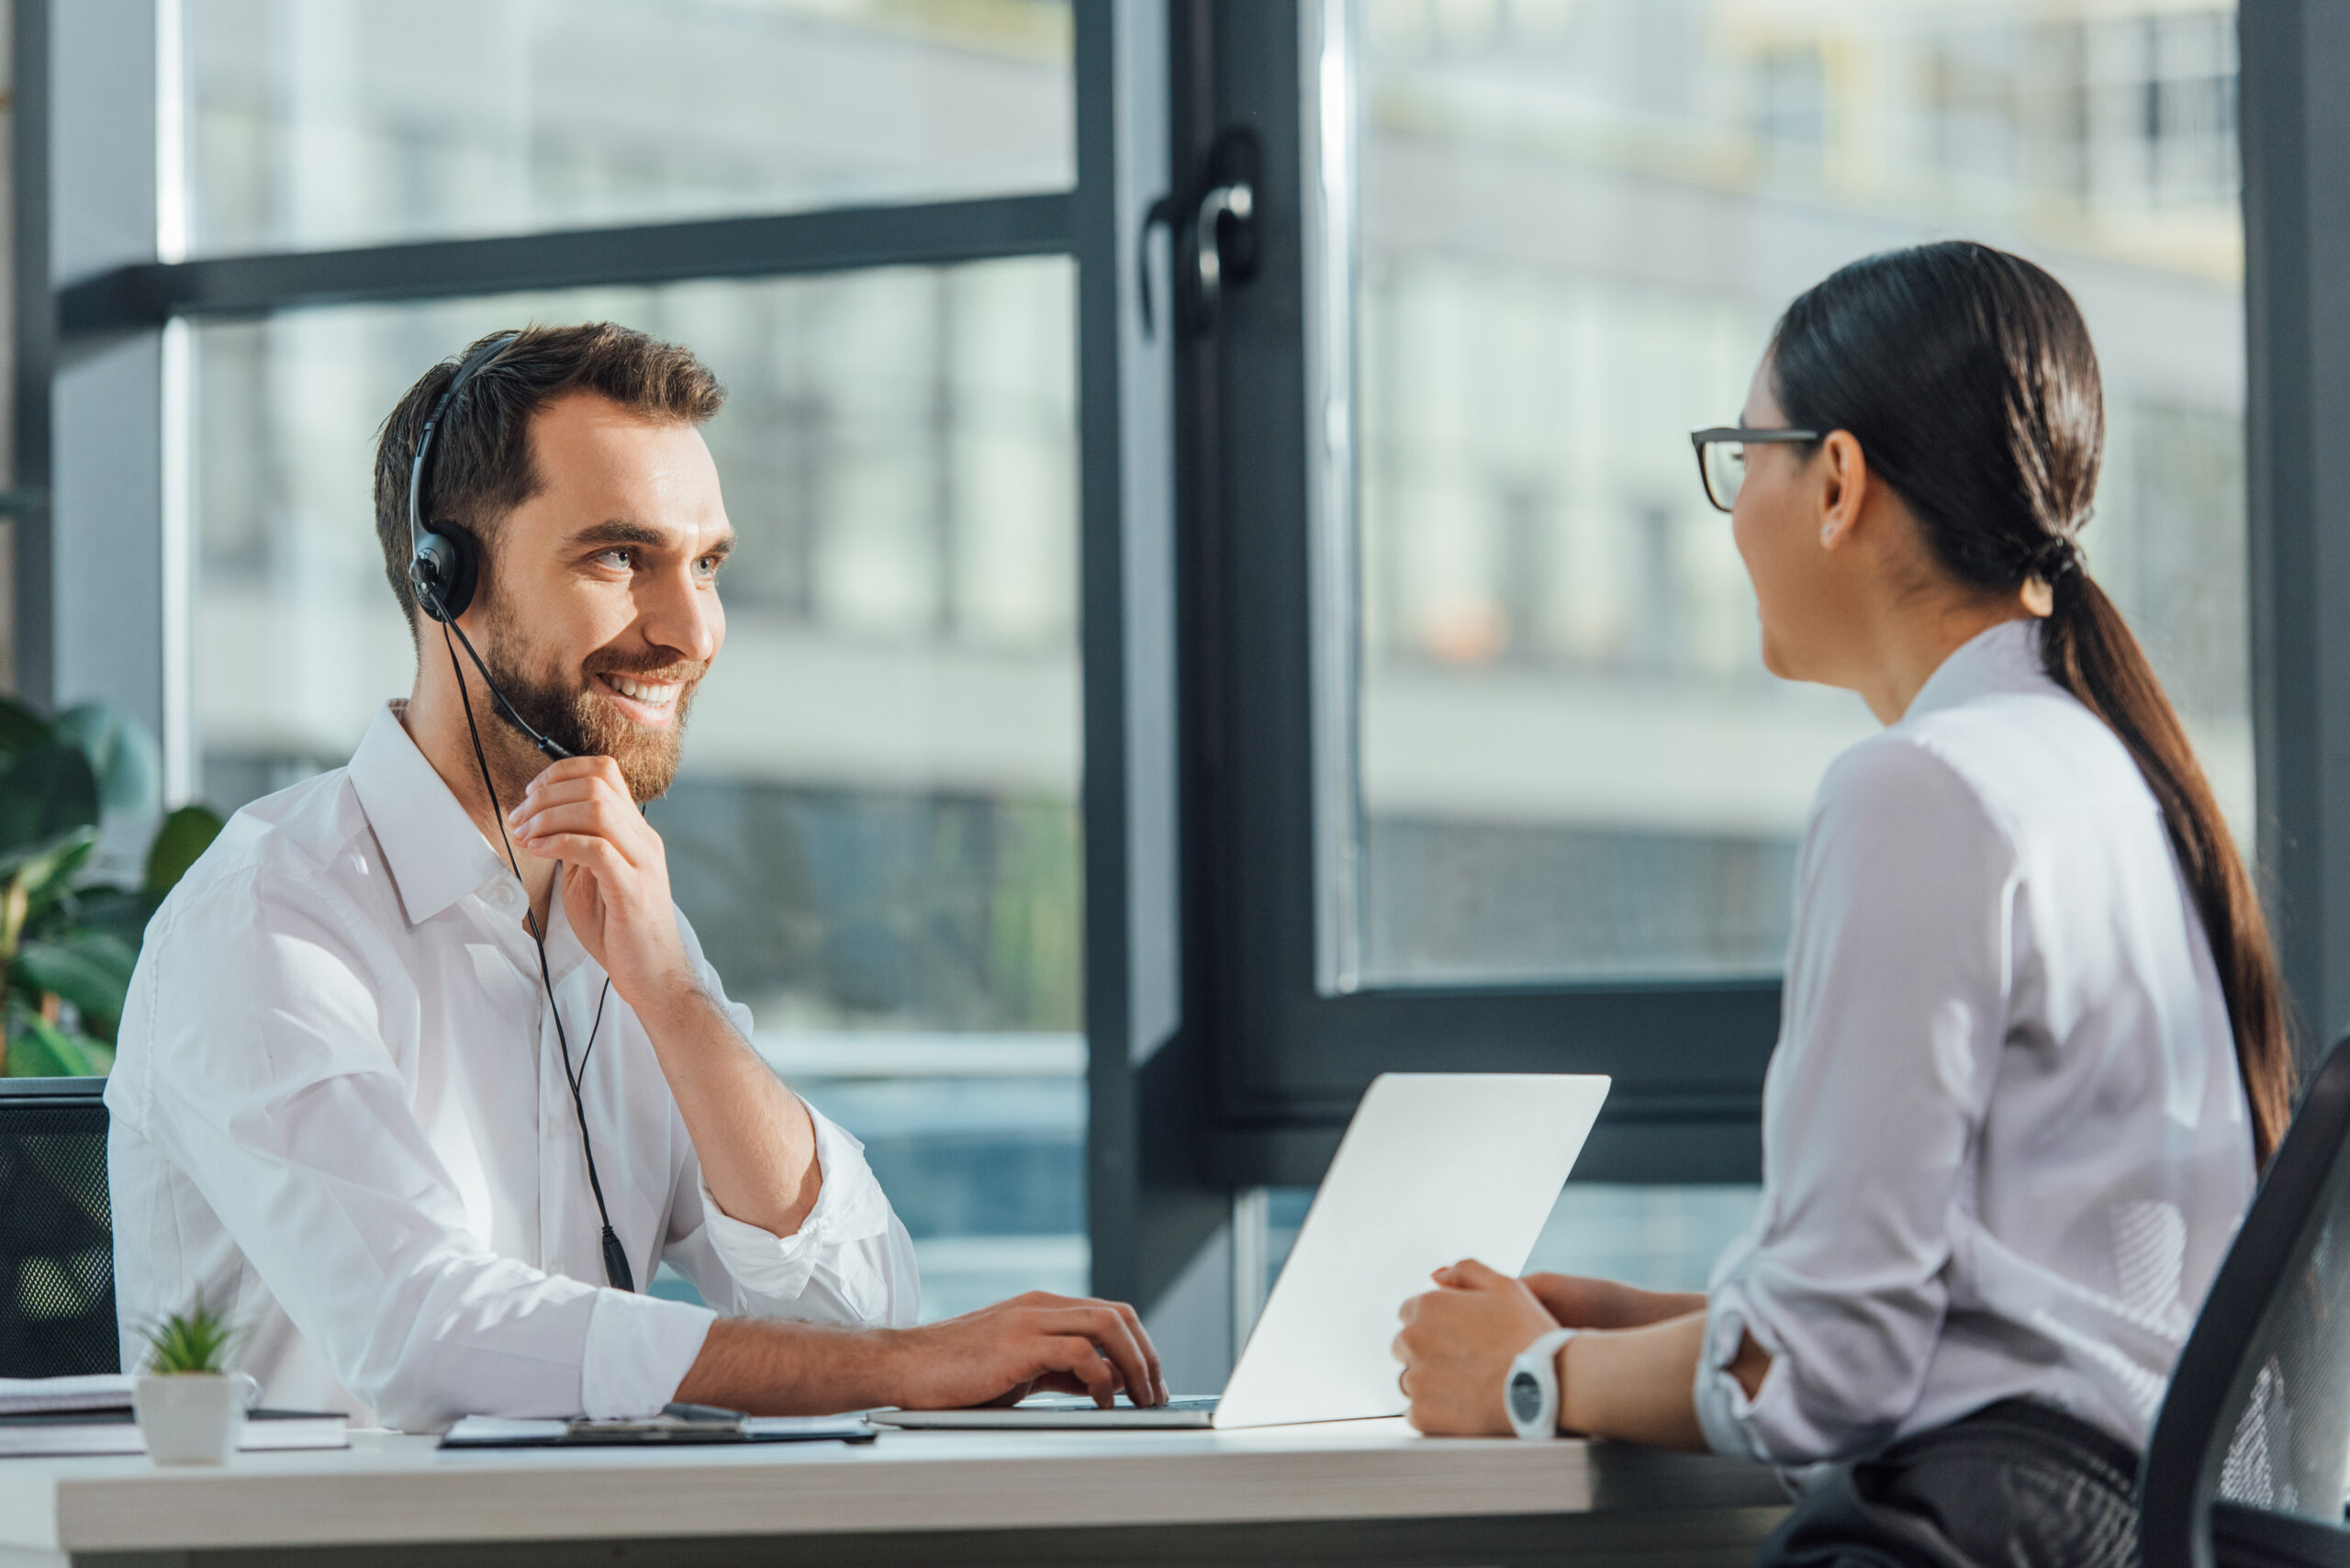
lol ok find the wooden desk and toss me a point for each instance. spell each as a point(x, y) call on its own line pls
point(1352, 1492)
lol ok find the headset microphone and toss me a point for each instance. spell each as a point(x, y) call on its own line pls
point(444, 570)
point(554, 750)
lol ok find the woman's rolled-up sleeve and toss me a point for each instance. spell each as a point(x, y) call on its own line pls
point(1896, 1005)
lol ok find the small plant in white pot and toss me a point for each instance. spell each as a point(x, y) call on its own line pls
point(191, 1407)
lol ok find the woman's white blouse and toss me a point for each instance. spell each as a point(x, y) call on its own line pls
point(2005, 1142)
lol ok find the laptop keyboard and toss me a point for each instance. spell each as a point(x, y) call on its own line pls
point(1076, 1402)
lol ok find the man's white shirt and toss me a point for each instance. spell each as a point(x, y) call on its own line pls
point(339, 1114)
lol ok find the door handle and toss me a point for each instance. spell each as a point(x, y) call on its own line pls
point(1222, 231)
point(1236, 201)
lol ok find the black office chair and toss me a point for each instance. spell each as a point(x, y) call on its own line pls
point(56, 1230)
point(2250, 1462)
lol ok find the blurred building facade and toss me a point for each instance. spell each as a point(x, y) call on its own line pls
point(1579, 219)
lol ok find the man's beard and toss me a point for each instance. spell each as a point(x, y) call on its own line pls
point(560, 707)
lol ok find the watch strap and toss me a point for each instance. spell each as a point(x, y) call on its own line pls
point(1530, 1392)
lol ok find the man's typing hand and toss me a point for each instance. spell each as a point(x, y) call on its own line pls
point(615, 877)
point(1037, 1343)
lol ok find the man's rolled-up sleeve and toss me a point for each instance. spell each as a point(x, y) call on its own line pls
point(639, 1350)
point(270, 1085)
point(851, 1262)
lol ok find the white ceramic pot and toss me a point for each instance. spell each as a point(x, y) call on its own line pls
point(192, 1417)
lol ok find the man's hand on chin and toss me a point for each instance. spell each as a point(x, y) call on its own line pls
point(615, 876)
point(755, 1139)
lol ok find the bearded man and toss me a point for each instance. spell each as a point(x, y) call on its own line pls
point(363, 1109)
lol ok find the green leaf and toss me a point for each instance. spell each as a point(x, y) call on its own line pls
point(39, 1048)
point(48, 863)
point(196, 1340)
point(21, 729)
point(121, 753)
point(45, 793)
point(186, 834)
point(89, 968)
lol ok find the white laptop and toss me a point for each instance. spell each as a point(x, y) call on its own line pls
point(1435, 1167)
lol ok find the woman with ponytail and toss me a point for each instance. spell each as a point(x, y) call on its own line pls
point(2032, 1049)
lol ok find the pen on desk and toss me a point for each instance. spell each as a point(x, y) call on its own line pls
point(701, 1413)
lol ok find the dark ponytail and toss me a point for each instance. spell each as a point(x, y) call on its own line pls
point(1968, 376)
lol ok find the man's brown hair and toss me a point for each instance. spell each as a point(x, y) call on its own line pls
point(481, 468)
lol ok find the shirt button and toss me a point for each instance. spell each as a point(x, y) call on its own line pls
point(501, 894)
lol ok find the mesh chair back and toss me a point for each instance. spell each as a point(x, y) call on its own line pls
point(2250, 1460)
point(56, 1230)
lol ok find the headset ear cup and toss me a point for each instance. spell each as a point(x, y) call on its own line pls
point(444, 572)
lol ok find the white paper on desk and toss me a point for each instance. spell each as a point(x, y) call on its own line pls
point(773, 1426)
point(499, 1430)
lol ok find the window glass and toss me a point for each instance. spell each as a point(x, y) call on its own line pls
point(875, 831)
point(1575, 224)
point(314, 124)
point(1660, 1238)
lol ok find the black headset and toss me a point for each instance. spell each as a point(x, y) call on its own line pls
point(445, 560)
point(444, 570)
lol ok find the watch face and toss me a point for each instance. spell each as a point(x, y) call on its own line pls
point(1525, 1395)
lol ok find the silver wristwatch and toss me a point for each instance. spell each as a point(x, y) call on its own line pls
point(1530, 1393)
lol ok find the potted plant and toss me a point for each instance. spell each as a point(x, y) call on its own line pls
point(191, 1407)
point(68, 938)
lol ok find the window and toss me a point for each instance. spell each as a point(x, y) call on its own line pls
point(1550, 800)
point(1574, 227)
point(1658, 1237)
point(1518, 748)
point(318, 124)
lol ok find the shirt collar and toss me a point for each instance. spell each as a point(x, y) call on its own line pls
point(2004, 658)
point(436, 853)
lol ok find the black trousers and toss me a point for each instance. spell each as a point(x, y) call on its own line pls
point(2014, 1485)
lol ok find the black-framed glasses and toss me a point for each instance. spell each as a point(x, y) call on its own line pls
point(1721, 456)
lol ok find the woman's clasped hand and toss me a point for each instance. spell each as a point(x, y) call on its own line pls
point(1457, 1343)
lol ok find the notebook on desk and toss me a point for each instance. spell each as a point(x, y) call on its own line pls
point(76, 1432)
point(39, 1395)
point(1433, 1168)
point(654, 1431)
